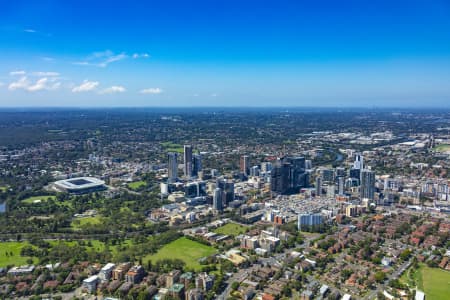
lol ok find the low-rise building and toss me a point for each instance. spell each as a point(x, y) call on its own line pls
point(22, 270)
point(120, 271)
point(194, 294)
point(176, 291)
point(90, 284)
point(135, 274)
point(204, 281)
point(269, 243)
point(306, 295)
point(249, 242)
point(106, 272)
point(172, 278)
point(186, 279)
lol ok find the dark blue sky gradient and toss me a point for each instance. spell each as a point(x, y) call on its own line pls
point(215, 52)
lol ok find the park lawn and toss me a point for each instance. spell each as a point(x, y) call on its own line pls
point(186, 250)
point(136, 185)
point(16, 247)
point(412, 277)
point(78, 222)
point(434, 282)
point(232, 229)
point(15, 258)
point(4, 188)
point(56, 242)
point(405, 277)
point(95, 245)
point(172, 147)
point(31, 200)
point(115, 248)
point(176, 150)
point(442, 148)
point(125, 208)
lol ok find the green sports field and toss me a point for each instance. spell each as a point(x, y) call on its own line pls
point(136, 185)
point(232, 229)
point(433, 281)
point(442, 148)
point(186, 250)
point(172, 147)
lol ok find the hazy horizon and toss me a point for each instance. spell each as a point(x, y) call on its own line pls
point(218, 109)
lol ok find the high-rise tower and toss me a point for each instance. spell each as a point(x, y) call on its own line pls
point(359, 161)
point(172, 166)
point(217, 199)
point(187, 161)
point(244, 164)
point(196, 164)
point(367, 184)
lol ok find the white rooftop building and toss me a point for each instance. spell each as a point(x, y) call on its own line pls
point(90, 283)
point(79, 185)
point(106, 271)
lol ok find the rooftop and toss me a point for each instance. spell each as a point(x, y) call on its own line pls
point(79, 183)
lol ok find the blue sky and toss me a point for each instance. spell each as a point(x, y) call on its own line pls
point(225, 53)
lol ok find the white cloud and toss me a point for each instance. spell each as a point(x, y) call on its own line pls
point(18, 72)
point(82, 63)
point(22, 83)
point(49, 74)
point(46, 58)
point(39, 85)
point(38, 74)
point(104, 58)
point(55, 86)
point(101, 59)
point(141, 55)
point(105, 53)
point(113, 89)
point(214, 95)
point(44, 83)
point(86, 86)
point(112, 59)
point(153, 91)
point(37, 32)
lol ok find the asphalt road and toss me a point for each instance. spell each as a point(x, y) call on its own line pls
point(395, 275)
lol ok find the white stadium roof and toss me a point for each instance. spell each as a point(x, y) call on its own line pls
point(79, 183)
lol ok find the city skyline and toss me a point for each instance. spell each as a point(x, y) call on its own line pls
point(252, 54)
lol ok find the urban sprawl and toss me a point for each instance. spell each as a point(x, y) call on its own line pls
point(232, 204)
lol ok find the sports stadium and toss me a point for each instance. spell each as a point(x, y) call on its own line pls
point(79, 185)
